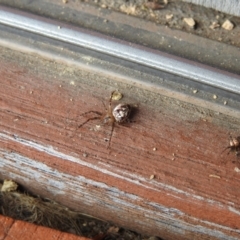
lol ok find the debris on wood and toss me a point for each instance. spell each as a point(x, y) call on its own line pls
point(116, 96)
point(227, 25)
point(236, 169)
point(9, 186)
point(214, 25)
point(129, 9)
point(103, 6)
point(214, 176)
point(48, 213)
point(152, 177)
point(190, 22)
point(113, 229)
point(169, 16)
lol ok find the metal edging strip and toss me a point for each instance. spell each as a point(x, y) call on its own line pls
point(132, 52)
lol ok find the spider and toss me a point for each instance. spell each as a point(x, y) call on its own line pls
point(234, 145)
point(118, 114)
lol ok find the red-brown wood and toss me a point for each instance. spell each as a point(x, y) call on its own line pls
point(195, 191)
point(14, 229)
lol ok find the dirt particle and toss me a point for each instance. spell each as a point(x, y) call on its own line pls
point(103, 6)
point(214, 176)
point(9, 186)
point(227, 25)
point(214, 25)
point(215, 96)
point(129, 9)
point(169, 16)
point(154, 149)
point(190, 22)
point(236, 169)
point(116, 96)
point(64, 1)
point(225, 103)
point(152, 177)
point(195, 91)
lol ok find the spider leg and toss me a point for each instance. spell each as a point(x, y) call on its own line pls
point(104, 105)
point(110, 138)
point(90, 119)
point(96, 112)
point(226, 149)
point(110, 99)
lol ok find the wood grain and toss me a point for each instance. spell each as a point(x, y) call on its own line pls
point(195, 191)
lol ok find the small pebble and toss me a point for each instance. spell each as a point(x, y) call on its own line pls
point(236, 169)
point(152, 177)
point(169, 16)
point(190, 22)
point(154, 149)
point(215, 96)
point(116, 96)
point(227, 25)
point(195, 91)
point(214, 25)
point(225, 103)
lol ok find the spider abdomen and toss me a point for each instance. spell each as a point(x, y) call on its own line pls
point(121, 112)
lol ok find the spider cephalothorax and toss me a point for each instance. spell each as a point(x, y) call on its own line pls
point(118, 114)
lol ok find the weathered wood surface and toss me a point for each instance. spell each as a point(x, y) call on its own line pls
point(229, 7)
point(13, 229)
point(195, 191)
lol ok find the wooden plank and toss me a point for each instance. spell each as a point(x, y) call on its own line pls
point(14, 229)
point(195, 190)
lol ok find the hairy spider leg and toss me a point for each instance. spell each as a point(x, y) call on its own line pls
point(226, 149)
point(90, 119)
point(110, 101)
point(96, 112)
point(110, 138)
point(104, 105)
